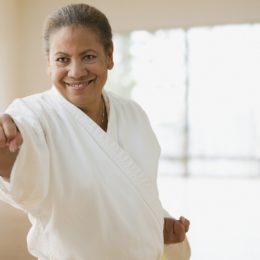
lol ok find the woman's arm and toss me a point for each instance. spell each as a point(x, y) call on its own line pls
point(10, 141)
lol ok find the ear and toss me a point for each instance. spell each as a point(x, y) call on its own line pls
point(110, 60)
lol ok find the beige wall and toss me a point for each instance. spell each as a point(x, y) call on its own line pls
point(9, 51)
point(22, 63)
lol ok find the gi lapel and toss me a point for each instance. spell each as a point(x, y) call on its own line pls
point(135, 176)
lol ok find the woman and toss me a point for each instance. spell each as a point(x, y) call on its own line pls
point(80, 161)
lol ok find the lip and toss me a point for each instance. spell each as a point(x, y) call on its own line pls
point(78, 85)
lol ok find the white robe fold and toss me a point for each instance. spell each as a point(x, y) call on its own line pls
point(90, 194)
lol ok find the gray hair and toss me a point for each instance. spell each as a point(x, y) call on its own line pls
point(78, 14)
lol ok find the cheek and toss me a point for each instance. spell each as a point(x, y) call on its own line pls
point(100, 70)
point(57, 74)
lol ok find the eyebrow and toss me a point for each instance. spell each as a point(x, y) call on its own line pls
point(82, 53)
point(61, 53)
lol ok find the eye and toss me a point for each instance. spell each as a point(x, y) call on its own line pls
point(90, 58)
point(62, 60)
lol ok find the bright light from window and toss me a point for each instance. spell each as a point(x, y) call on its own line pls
point(214, 130)
point(224, 76)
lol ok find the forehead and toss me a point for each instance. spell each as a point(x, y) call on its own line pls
point(75, 37)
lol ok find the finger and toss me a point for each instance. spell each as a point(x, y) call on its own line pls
point(9, 127)
point(185, 222)
point(168, 224)
point(2, 137)
point(5, 118)
point(10, 133)
point(174, 231)
point(10, 130)
point(15, 144)
point(168, 231)
point(179, 231)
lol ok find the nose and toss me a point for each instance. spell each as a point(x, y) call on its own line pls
point(77, 70)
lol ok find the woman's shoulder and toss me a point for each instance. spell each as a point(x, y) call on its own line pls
point(33, 100)
point(128, 110)
point(31, 105)
point(123, 102)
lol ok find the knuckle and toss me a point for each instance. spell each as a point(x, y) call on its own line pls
point(9, 128)
point(6, 118)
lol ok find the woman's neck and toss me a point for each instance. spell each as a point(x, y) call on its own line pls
point(98, 113)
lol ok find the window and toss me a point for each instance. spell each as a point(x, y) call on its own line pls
point(200, 88)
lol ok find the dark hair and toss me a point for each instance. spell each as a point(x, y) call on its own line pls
point(78, 14)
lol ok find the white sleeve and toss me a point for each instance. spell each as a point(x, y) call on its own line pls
point(29, 181)
point(178, 251)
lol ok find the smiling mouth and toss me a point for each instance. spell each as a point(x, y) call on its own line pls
point(79, 84)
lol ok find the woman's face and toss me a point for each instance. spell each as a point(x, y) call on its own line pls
point(78, 65)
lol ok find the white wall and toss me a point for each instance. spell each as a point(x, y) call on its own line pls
point(224, 215)
point(136, 14)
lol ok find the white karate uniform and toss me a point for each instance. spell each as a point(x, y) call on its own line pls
point(90, 194)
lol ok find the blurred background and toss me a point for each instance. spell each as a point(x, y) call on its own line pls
point(194, 68)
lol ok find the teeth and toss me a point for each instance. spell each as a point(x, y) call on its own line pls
point(79, 85)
